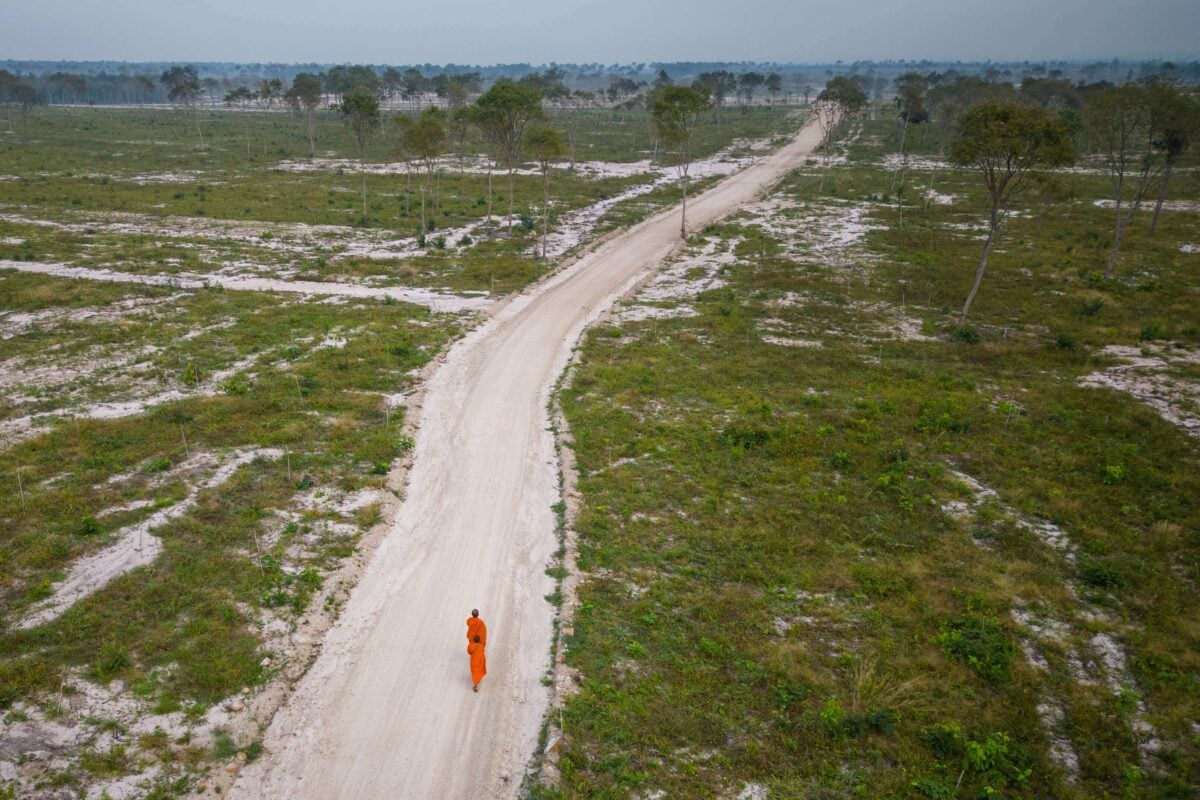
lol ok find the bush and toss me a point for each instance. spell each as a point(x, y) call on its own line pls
point(979, 643)
point(1102, 573)
point(965, 333)
point(192, 374)
point(1152, 330)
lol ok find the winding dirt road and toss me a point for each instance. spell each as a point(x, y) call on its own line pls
point(387, 711)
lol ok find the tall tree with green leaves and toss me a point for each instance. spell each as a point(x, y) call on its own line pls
point(841, 99)
point(360, 111)
point(676, 112)
point(304, 96)
point(748, 83)
point(774, 85)
point(21, 96)
point(424, 138)
point(503, 113)
point(548, 146)
point(1117, 122)
point(718, 85)
point(947, 100)
point(1007, 144)
point(184, 87)
point(1174, 125)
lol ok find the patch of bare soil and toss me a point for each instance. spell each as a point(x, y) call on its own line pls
point(1161, 376)
point(135, 546)
point(1090, 638)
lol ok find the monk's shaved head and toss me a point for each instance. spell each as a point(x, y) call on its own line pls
point(474, 612)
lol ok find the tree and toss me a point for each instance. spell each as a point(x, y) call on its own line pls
point(1007, 143)
point(21, 96)
point(549, 83)
point(718, 85)
point(662, 79)
point(910, 101)
point(675, 112)
point(457, 128)
point(183, 87)
point(1174, 124)
point(948, 99)
point(413, 84)
point(748, 83)
point(342, 79)
point(392, 81)
point(502, 113)
point(360, 110)
point(548, 146)
point(269, 91)
point(238, 97)
point(145, 87)
point(774, 85)
point(840, 99)
point(424, 138)
point(305, 96)
point(1117, 121)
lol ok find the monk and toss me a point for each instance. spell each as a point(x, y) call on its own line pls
point(476, 627)
point(476, 642)
point(478, 661)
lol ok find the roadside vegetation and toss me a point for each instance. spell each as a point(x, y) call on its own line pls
point(198, 468)
point(835, 544)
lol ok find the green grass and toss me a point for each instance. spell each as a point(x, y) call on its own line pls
point(774, 594)
point(183, 633)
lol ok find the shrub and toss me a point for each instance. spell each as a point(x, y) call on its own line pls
point(1102, 573)
point(1113, 474)
point(1152, 330)
point(192, 374)
point(965, 333)
point(979, 643)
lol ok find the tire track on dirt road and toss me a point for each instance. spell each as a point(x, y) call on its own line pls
point(386, 710)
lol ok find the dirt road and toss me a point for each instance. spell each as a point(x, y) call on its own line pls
point(387, 710)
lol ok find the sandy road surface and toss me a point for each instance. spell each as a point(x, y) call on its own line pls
point(387, 710)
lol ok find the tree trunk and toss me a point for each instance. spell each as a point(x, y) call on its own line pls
point(929, 191)
point(903, 160)
point(489, 213)
point(1162, 194)
point(422, 208)
point(545, 209)
point(1112, 257)
point(987, 249)
point(362, 171)
point(510, 197)
point(312, 138)
point(683, 216)
point(200, 133)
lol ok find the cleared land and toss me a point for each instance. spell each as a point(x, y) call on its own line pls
point(830, 546)
point(386, 710)
point(195, 455)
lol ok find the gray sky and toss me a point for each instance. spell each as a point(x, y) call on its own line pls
point(540, 31)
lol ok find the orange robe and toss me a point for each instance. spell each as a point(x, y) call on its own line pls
point(475, 627)
point(478, 661)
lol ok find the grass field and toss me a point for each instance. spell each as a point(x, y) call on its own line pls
point(247, 435)
point(833, 546)
point(133, 189)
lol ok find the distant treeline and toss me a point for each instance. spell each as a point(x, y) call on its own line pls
point(118, 82)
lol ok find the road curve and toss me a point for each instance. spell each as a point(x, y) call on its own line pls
point(387, 711)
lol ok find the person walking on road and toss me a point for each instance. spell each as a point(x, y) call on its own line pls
point(478, 661)
point(476, 627)
point(476, 642)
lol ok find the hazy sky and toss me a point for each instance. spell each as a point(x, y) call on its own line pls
point(539, 31)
